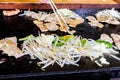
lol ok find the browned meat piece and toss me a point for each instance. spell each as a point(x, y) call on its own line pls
point(91, 18)
point(52, 26)
point(116, 39)
point(94, 22)
point(41, 26)
point(51, 18)
point(106, 37)
point(11, 12)
point(74, 22)
point(105, 16)
point(9, 46)
point(51, 21)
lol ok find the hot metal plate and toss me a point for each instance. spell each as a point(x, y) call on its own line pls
point(25, 67)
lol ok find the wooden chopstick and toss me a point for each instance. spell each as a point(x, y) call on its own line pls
point(58, 15)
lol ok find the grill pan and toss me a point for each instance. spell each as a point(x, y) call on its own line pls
point(24, 67)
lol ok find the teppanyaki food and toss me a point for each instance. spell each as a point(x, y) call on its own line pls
point(104, 16)
point(11, 12)
point(61, 50)
point(9, 47)
point(48, 21)
point(67, 50)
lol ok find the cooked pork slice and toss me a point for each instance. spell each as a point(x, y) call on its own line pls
point(11, 12)
point(118, 45)
point(105, 16)
point(41, 26)
point(116, 39)
point(51, 22)
point(94, 22)
point(51, 18)
point(9, 46)
point(42, 16)
point(74, 22)
point(38, 16)
point(91, 18)
point(106, 37)
point(114, 13)
point(70, 14)
point(52, 26)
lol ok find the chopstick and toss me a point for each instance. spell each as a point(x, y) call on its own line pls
point(59, 16)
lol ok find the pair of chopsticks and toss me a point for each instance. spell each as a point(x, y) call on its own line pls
point(59, 16)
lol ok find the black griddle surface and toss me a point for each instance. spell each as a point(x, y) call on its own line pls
point(25, 67)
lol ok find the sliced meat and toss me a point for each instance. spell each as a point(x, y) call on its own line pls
point(52, 26)
point(41, 26)
point(114, 13)
point(116, 39)
point(11, 12)
point(74, 22)
point(51, 18)
point(91, 18)
point(94, 22)
point(9, 46)
point(106, 37)
point(105, 16)
point(51, 22)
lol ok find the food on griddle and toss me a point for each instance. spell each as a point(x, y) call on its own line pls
point(108, 16)
point(106, 37)
point(116, 39)
point(52, 26)
point(40, 25)
point(11, 12)
point(114, 13)
point(50, 20)
point(71, 17)
point(93, 22)
point(9, 47)
point(67, 50)
point(73, 22)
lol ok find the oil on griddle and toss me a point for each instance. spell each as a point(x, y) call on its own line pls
point(22, 26)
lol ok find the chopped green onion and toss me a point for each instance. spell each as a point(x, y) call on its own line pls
point(83, 41)
point(27, 37)
point(61, 40)
point(109, 45)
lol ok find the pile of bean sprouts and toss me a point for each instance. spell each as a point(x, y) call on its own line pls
point(42, 48)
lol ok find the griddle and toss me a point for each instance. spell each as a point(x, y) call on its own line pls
point(24, 67)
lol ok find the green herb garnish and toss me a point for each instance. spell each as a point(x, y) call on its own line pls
point(27, 37)
point(109, 45)
point(83, 41)
point(61, 40)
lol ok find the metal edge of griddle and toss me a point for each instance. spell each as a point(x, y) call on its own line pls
point(109, 71)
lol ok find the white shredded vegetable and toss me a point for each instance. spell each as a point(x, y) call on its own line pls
point(41, 47)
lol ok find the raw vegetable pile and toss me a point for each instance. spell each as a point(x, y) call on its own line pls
point(66, 50)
